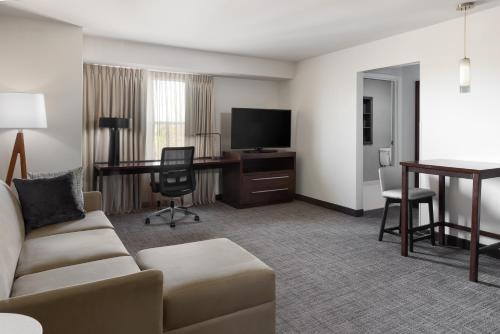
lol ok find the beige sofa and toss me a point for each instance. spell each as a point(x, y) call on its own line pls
point(77, 277)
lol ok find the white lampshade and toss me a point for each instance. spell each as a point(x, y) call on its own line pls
point(464, 75)
point(22, 111)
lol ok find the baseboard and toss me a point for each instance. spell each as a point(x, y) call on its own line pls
point(451, 240)
point(331, 206)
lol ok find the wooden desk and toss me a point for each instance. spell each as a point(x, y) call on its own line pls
point(477, 171)
point(102, 169)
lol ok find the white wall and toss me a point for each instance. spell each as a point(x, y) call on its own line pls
point(245, 93)
point(324, 93)
point(43, 56)
point(381, 92)
point(166, 58)
point(239, 81)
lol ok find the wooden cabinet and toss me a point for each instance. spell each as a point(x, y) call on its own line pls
point(259, 179)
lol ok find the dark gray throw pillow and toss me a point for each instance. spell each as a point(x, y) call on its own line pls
point(77, 174)
point(48, 201)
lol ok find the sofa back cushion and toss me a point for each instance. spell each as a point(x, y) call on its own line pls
point(11, 238)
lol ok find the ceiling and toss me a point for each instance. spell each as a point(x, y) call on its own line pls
point(278, 29)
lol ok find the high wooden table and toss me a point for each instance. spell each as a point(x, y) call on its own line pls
point(477, 171)
point(102, 169)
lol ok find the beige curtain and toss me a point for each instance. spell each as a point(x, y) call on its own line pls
point(200, 125)
point(181, 113)
point(114, 92)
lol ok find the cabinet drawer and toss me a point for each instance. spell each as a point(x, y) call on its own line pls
point(252, 183)
point(268, 195)
point(268, 187)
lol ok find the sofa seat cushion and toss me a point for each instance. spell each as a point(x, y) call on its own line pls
point(93, 220)
point(66, 249)
point(208, 279)
point(74, 275)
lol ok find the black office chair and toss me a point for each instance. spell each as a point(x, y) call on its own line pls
point(176, 179)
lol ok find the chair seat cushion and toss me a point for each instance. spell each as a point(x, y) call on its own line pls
point(93, 220)
point(74, 275)
point(414, 193)
point(59, 250)
point(208, 279)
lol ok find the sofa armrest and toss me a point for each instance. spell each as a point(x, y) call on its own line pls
point(92, 200)
point(127, 305)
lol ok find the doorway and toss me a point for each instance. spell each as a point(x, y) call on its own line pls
point(390, 125)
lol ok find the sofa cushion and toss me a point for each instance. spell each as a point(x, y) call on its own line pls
point(59, 250)
point(208, 279)
point(77, 184)
point(48, 201)
point(74, 275)
point(93, 220)
point(11, 237)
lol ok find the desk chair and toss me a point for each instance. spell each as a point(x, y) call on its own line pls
point(390, 183)
point(176, 179)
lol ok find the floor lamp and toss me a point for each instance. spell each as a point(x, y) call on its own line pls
point(21, 111)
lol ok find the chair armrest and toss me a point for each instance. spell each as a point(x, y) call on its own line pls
point(92, 200)
point(127, 305)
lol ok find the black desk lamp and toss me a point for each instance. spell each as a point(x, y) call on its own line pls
point(114, 124)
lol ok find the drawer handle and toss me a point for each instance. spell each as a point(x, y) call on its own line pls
point(271, 178)
point(269, 191)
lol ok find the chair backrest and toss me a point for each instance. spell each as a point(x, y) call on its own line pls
point(11, 238)
point(176, 171)
point(390, 177)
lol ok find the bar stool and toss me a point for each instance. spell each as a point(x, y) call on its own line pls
point(390, 183)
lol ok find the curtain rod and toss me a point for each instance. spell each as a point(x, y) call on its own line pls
point(148, 69)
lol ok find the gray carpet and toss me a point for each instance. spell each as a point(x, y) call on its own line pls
point(333, 276)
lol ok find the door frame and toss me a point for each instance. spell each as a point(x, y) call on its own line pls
point(397, 119)
point(417, 129)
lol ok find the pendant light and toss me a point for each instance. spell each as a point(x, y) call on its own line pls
point(464, 64)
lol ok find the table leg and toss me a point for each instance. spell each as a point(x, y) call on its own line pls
point(404, 212)
point(94, 180)
point(475, 228)
point(442, 208)
point(100, 181)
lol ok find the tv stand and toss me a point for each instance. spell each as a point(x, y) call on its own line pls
point(260, 178)
point(260, 150)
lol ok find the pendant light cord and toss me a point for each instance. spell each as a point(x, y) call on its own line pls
point(465, 33)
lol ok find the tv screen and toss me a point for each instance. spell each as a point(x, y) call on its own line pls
point(259, 128)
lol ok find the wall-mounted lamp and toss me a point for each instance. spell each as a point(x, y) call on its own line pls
point(464, 64)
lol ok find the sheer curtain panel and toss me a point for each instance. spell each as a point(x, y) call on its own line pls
point(181, 113)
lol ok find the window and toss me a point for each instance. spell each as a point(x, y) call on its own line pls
point(168, 112)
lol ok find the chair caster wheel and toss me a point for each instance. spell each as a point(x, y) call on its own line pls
point(196, 218)
point(172, 225)
point(147, 222)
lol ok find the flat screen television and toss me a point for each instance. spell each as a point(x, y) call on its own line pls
point(259, 128)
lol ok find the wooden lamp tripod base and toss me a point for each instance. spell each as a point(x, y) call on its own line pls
point(18, 149)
